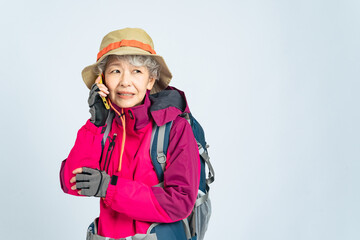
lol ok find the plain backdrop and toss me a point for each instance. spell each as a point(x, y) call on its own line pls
point(275, 84)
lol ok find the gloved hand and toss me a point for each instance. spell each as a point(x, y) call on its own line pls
point(97, 109)
point(92, 182)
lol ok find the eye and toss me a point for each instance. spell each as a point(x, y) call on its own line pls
point(115, 71)
point(137, 71)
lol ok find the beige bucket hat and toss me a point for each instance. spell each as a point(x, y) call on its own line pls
point(128, 41)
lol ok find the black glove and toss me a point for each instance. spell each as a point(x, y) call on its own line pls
point(97, 108)
point(92, 182)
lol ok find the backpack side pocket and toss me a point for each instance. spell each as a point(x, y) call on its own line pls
point(201, 215)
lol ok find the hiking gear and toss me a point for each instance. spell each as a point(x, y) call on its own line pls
point(196, 224)
point(97, 108)
point(172, 231)
point(128, 41)
point(92, 182)
point(92, 234)
point(132, 201)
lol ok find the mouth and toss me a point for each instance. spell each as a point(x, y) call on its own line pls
point(125, 95)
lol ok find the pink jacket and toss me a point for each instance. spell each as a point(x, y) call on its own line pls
point(133, 203)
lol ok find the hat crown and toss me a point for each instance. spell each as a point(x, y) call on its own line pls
point(137, 34)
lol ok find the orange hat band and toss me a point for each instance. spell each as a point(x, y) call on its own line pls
point(125, 43)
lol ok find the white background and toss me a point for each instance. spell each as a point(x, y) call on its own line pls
point(275, 85)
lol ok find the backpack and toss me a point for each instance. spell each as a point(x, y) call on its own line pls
point(194, 226)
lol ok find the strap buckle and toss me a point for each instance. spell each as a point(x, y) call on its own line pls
point(161, 158)
point(200, 147)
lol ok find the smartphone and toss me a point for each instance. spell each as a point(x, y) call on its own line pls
point(103, 98)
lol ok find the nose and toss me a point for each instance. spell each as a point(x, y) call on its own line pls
point(125, 80)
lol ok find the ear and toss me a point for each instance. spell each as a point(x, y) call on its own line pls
point(150, 83)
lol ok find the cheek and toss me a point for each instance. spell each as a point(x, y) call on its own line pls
point(110, 88)
point(110, 85)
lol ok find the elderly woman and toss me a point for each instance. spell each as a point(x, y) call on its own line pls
point(118, 168)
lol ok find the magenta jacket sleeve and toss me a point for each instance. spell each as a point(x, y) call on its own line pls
point(181, 182)
point(85, 153)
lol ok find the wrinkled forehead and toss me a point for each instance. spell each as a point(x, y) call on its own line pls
point(116, 60)
point(124, 61)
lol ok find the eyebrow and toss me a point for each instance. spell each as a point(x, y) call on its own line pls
point(113, 64)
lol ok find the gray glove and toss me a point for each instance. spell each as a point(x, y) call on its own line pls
point(97, 109)
point(92, 182)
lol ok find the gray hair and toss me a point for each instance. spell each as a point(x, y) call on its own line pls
point(136, 60)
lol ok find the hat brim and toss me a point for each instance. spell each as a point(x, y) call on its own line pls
point(89, 76)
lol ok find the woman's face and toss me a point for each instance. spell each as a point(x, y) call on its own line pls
point(127, 84)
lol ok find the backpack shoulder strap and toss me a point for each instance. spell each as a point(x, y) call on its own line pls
point(160, 136)
point(205, 156)
point(203, 153)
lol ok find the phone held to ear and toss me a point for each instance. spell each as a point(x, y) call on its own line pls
point(103, 98)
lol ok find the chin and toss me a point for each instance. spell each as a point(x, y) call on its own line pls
point(124, 104)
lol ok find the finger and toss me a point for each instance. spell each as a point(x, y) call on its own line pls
point(81, 185)
point(102, 94)
point(88, 171)
point(73, 179)
point(78, 170)
point(103, 88)
point(80, 177)
point(79, 192)
point(73, 187)
point(87, 192)
point(97, 80)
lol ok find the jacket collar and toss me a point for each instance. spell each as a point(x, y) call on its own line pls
point(162, 107)
point(136, 117)
point(167, 105)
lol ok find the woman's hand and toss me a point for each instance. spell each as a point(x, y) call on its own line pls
point(104, 91)
point(73, 179)
point(97, 108)
point(91, 182)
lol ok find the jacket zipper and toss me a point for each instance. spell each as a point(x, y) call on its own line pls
point(110, 148)
point(102, 153)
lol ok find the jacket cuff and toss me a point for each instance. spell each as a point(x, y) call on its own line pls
point(110, 192)
point(94, 129)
